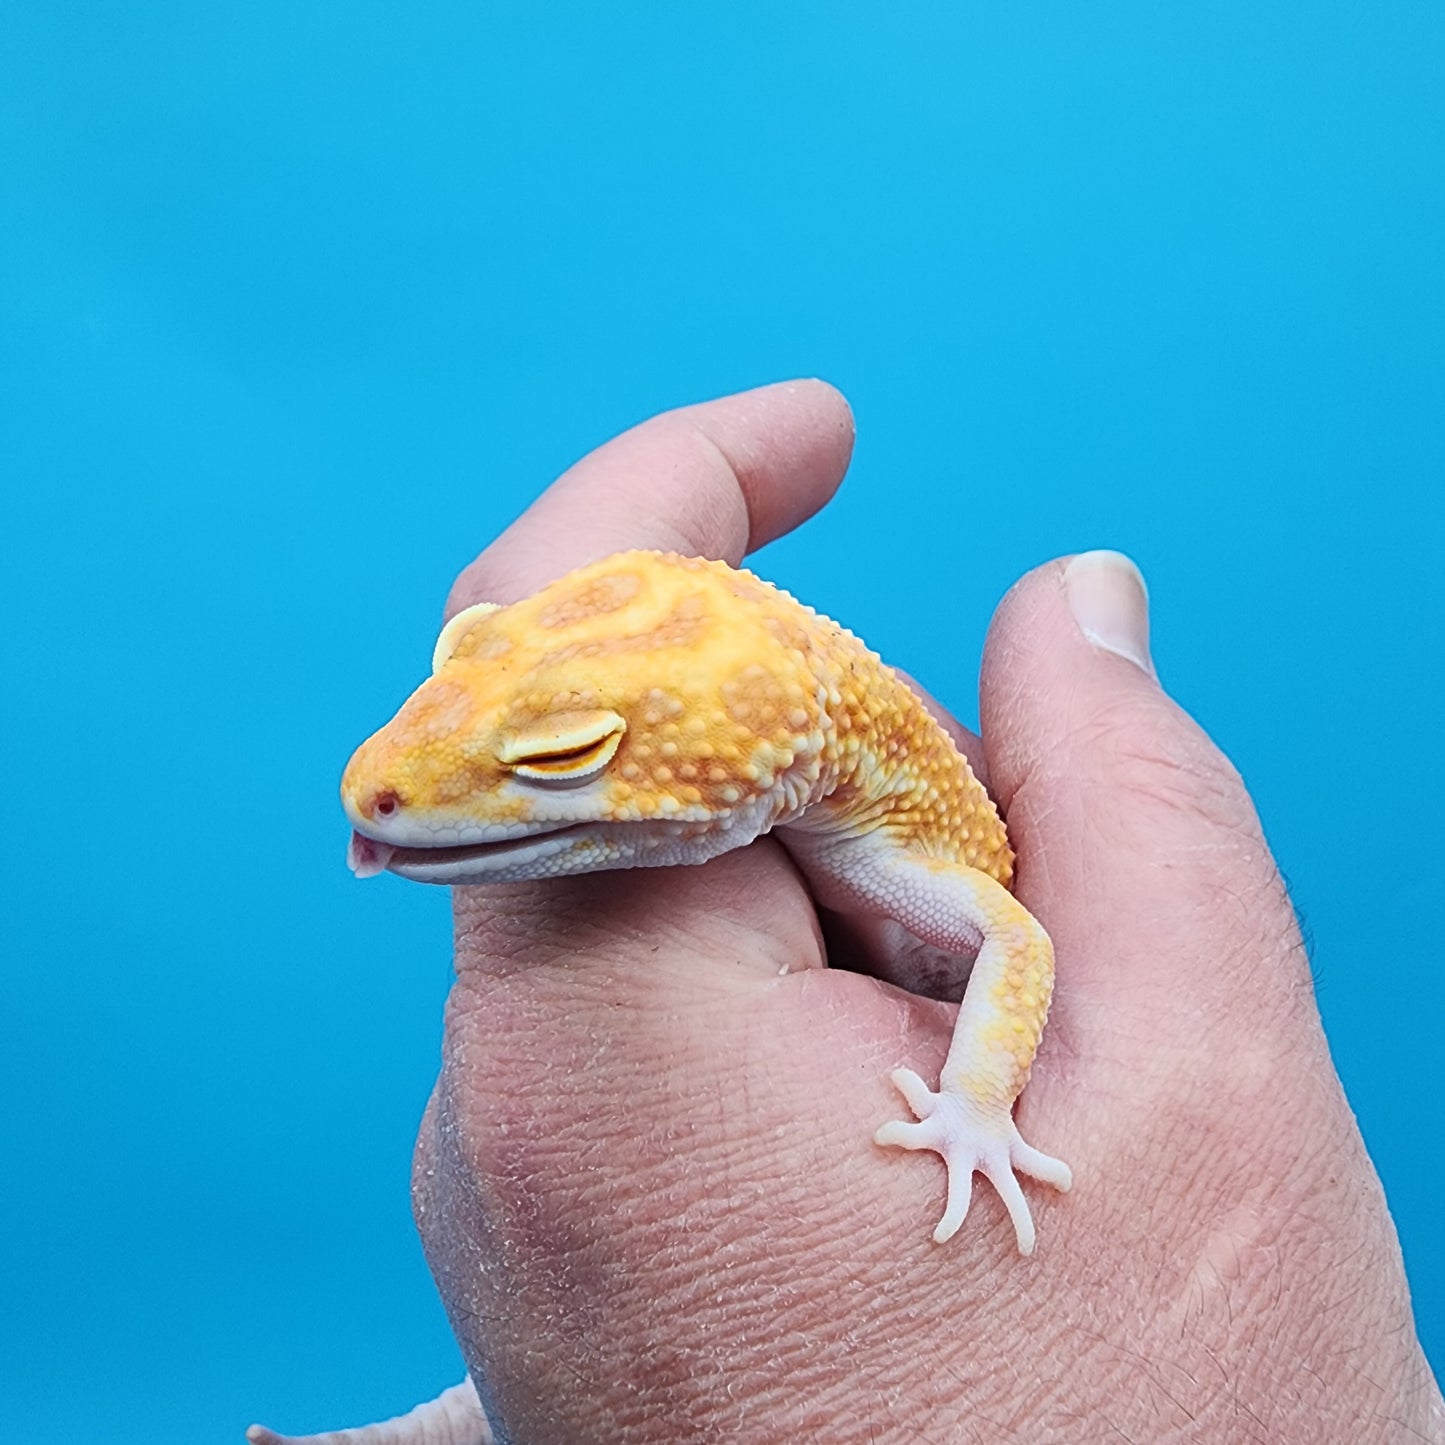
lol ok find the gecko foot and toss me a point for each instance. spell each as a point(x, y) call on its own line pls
point(972, 1137)
point(455, 1417)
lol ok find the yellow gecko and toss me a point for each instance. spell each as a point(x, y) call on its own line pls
point(651, 709)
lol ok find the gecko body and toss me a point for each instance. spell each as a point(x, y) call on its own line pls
point(650, 710)
point(653, 710)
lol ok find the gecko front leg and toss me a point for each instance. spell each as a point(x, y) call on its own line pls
point(968, 1119)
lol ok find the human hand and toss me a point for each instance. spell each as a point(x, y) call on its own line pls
point(646, 1180)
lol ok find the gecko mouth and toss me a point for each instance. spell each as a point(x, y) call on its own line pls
point(366, 857)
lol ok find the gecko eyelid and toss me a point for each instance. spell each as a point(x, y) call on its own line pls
point(576, 765)
point(565, 748)
point(563, 755)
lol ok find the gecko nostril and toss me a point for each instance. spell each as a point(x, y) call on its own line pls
point(386, 804)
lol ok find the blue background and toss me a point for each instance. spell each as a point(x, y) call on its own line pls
point(299, 304)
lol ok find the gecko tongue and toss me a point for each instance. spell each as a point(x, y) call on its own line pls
point(366, 857)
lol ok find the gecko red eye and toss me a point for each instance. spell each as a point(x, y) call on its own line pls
point(386, 804)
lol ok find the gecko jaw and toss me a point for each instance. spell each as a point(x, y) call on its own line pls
point(464, 862)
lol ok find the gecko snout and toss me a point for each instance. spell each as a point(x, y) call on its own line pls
point(369, 789)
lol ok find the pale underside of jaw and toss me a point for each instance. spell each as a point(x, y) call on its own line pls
point(366, 857)
point(585, 845)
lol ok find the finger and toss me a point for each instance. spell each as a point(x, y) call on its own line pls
point(1139, 846)
point(717, 479)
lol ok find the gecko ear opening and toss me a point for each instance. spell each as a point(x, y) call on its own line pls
point(452, 635)
point(564, 747)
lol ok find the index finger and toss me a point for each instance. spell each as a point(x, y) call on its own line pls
point(717, 479)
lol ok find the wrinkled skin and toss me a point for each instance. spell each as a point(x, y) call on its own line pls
point(646, 1182)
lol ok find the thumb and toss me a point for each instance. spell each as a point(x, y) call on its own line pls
point(1138, 845)
point(1223, 1193)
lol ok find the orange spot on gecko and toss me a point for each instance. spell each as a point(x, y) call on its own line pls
point(596, 597)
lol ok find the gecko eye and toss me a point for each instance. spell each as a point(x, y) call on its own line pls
point(564, 748)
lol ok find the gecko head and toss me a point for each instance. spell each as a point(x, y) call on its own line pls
point(633, 712)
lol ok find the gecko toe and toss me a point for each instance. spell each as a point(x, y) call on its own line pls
point(916, 1094)
point(901, 1134)
point(1043, 1167)
point(960, 1194)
